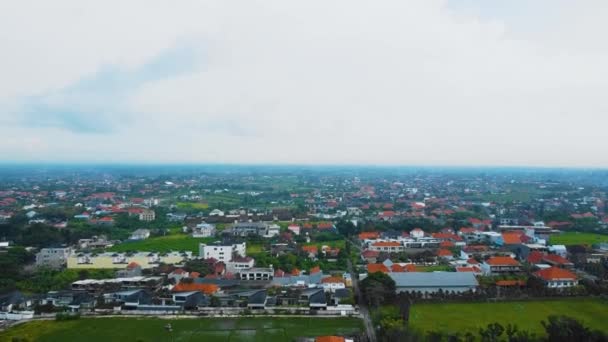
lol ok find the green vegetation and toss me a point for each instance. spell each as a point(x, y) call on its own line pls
point(173, 242)
point(44, 280)
point(192, 206)
point(240, 329)
point(434, 268)
point(469, 317)
point(334, 244)
point(577, 238)
point(254, 248)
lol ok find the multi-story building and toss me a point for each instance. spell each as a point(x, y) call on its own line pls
point(244, 229)
point(122, 260)
point(147, 215)
point(500, 265)
point(53, 257)
point(257, 274)
point(222, 252)
point(203, 230)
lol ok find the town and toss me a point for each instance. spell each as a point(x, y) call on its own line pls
point(388, 253)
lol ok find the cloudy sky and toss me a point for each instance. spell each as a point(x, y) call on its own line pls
point(433, 82)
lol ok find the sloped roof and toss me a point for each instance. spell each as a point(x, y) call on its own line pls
point(555, 273)
point(502, 261)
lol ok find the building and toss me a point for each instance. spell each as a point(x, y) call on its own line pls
point(122, 260)
point(244, 229)
point(331, 284)
point(237, 264)
point(432, 282)
point(555, 277)
point(294, 228)
point(140, 234)
point(500, 265)
point(257, 273)
point(53, 257)
point(147, 215)
point(273, 230)
point(203, 230)
point(222, 252)
point(387, 246)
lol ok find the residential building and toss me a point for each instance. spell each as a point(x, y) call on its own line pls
point(140, 234)
point(257, 273)
point(122, 260)
point(555, 277)
point(53, 257)
point(331, 284)
point(244, 229)
point(203, 230)
point(222, 252)
point(147, 215)
point(387, 246)
point(500, 265)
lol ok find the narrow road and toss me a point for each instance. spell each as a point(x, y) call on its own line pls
point(367, 320)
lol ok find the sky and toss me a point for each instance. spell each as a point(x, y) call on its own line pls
point(393, 82)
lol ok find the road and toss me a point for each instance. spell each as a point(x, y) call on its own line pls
point(367, 320)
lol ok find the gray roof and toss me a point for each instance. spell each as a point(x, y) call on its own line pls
point(293, 280)
point(434, 279)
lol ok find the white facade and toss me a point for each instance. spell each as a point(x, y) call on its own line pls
point(203, 230)
point(294, 229)
point(222, 252)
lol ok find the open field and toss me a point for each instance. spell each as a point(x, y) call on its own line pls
point(203, 329)
point(577, 238)
point(463, 317)
point(173, 242)
point(192, 206)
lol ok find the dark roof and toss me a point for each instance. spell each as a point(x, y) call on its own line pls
point(258, 297)
point(318, 298)
point(342, 293)
point(434, 279)
point(13, 298)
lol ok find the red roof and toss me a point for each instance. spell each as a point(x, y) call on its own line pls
point(370, 254)
point(510, 283)
point(279, 273)
point(314, 270)
point(467, 269)
point(369, 235)
point(325, 225)
point(511, 238)
point(332, 280)
point(386, 244)
point(502, 261)
point(204, 288)
point(467, 230)
point(555, 273)
point(555, 259)
point(330, 339)
point(310, 249)
point(444, 253)
point(472, 261)
point(373, 268)
point(132, 265)
point(296, 272)
point(535, 257)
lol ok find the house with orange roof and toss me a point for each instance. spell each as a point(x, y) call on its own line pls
point(511, 283)
point(370, 256)
point(315, 270)
point(512, 238)
point(557, 261)
point(207, 289)
point(310, 251)
point(373, 268)
point(445, 254)
point(331, 284)
point(501, 265)
point(555, 277)
point(471, 269)
point(369, 236)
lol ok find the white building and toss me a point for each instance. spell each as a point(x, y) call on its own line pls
point(203, 230)
point(417, 233)
point(294, 228)
point(140, 234)
point(222, 252)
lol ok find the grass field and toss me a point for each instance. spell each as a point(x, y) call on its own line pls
point(463, 317)
point(577, 238)
point(173, 242)
point(253, 248)
point(204, 329)
point(192, 206)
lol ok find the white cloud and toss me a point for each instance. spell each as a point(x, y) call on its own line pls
point(403, 82)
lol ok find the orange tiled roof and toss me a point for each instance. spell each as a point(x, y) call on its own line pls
point(555, 273)
point(386, 244)
point(329, 339)
point(204, 288)
point(373, 268)
point(502, 261)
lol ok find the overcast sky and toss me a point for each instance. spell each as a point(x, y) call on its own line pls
point(429, 82)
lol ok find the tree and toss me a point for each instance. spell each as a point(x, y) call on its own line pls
point(563, 328)
point(491, 333)
point(378, 288)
